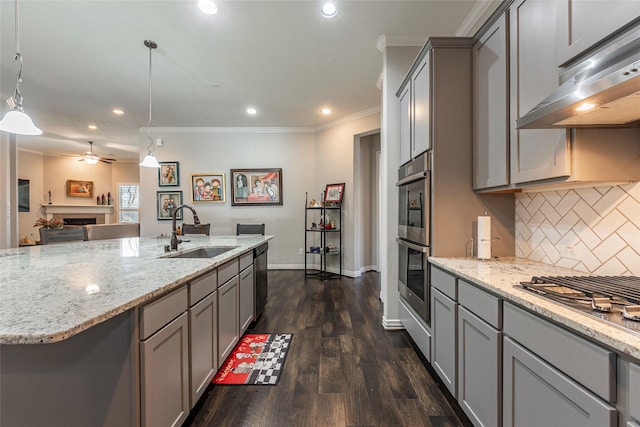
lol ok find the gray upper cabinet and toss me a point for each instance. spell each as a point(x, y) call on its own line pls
point(536, 394)
point(536, 154)
point(491, 108)
point(582, 24)
point(421, 108)
point(405, 124)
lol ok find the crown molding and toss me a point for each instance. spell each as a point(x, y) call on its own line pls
point(347, 119)
point(478, 15)
point(229, 129)
point(387, 40)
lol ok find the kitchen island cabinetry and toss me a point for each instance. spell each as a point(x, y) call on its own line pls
point(583, 24)
point(228, 310)
point(634, 391)
point(247, 291)
point(443, 329)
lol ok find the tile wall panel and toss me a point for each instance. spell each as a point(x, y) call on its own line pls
point(603, 223)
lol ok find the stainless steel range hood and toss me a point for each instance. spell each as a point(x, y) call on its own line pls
point(602, 90)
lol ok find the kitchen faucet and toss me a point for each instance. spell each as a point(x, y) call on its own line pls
point(174, 236)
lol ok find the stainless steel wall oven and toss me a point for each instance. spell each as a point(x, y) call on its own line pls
point(414, 218)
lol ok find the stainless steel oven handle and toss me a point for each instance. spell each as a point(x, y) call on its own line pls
point(413, 246)
point(413, 177)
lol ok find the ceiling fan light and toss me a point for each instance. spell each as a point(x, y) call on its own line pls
point(18, 122)
point(150, 161)
point(91, 159)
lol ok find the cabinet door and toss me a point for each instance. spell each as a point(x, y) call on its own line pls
point(405, 124)
point(203, 344)
point(582, 24)
point(634, 391)
point(491, 109)
point(479, 370)
point(228, 318)
point(421, 87)
point(247, 298)
point(536, 394)
point(535, 153)
point(164, 365)
point(443, 328)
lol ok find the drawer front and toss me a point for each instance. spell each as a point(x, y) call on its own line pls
point(585, 362)
point(634, 391)
point(484, 305)
point(417, 329)
point(226, 271)
point(246, 260)
point(156, 314)
point(202, 286)
point(444, 282)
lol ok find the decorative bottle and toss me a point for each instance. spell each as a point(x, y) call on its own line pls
point(98, 200)
point(109, 201)
point(103, 200)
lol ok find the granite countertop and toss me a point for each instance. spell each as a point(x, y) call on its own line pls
point(499, 277)
point(49, 293)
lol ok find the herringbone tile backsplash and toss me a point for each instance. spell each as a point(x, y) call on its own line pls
point(595, 229)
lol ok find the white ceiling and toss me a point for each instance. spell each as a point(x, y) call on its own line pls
point(83, 58)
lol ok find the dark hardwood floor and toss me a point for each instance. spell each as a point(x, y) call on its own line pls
point(343, 368)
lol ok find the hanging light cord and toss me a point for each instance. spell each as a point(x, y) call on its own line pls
point(151, 45)
point(18, 57)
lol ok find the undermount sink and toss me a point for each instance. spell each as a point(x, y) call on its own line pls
point(203, 252)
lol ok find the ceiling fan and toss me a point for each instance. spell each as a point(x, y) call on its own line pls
point(92, 159)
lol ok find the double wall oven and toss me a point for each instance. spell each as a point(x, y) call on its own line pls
point(414, 218)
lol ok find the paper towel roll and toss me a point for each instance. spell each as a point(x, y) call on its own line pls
point(484, 237)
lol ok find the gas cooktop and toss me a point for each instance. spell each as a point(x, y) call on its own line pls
point(612, 299)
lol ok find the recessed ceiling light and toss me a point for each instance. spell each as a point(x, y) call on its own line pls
point(92, 127)
point(326, 111)
point(208, 7)
point(118, 111)
point(252, 111)
point(329, 10)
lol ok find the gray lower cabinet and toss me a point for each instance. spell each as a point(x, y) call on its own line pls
point(203, 343)
point(634, 391)
point(228, 318)
point(165, 375)
point(247, 298)
point(479, 373)
point(443, 327)
point(535, 394)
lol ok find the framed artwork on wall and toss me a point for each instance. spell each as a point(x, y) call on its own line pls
point(166, 202)
point(250, 187)
point(333, 194)
point(79, 188)
point(207, 187)
point(169, 174)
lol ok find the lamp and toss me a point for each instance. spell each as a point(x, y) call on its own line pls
point(150, 160)
point(16, 120)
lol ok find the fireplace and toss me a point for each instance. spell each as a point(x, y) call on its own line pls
point(74, 214)
point(79, 221)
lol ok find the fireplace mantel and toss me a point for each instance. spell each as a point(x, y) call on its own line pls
point(99, 211)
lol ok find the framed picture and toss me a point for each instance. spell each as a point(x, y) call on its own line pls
point(333, 193)
point(207, 187)
point(256, 187)
point(79, 188)
point(169, 174)
point(166, 202)
point(23, 195)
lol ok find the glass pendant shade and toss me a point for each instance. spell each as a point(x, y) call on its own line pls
point(150, 161)
point(91, 159)
point(18, 122)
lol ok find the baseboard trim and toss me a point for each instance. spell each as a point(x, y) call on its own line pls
point(392, 324)
point(347, 273)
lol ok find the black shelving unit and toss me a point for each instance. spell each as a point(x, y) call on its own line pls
point(322, 243)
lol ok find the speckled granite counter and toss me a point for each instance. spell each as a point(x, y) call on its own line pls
point(499, 277)
point(50, 293)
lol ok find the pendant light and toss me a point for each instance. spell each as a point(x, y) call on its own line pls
point(150, 160)
point(16, 120)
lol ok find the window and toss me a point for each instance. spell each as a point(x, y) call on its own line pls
point(129, 203)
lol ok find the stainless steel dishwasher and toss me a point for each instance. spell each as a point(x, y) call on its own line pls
point(260, 265)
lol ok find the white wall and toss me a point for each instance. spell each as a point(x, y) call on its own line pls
point(218, 151)
point(30, 166)
point(335, 163)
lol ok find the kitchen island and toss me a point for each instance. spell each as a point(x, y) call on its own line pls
point(71, 326)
